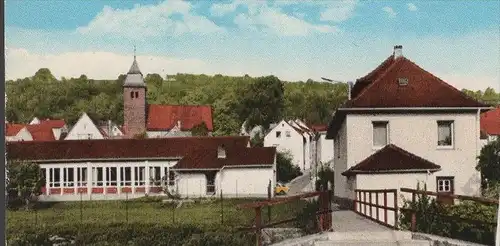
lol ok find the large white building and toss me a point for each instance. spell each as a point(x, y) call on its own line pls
point(119, 168)
point(403, 125)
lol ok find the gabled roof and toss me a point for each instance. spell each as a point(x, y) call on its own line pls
point(392, 159)
point(13, 129)
point(235, 156)
point(423, 89)
point(41, 132)
point(115, 149)
point(490, 122)
point(165, 117)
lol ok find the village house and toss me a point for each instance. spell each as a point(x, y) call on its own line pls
point(36, 130)
point(158, 120)
point(127, 168)
point(306, 144)
point(404, 125)
point(490, 126)
point(86, 128)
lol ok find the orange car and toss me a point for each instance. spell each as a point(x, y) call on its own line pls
point(281, 189)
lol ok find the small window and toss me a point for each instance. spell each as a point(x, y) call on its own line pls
point(278, 134)
point(445, 184)
point(380, 134)
point(287, 133)
point(132, 94)
point(403, 81)
point(137, 94)
point(210, 183)
point(445, 133)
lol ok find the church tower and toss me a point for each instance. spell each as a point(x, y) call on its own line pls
point(134, 101)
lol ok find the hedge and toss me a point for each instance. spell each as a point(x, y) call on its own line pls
point(126, 234)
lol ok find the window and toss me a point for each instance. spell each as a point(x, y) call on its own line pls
point(111, 178)
point(97, 177)
point(278, 134)
point(140, 175)
point(287, 133)
point(126, 176)
point(210, 183)
point(132, 94)
point(380, 134)
point(445, 133)
point(69, 177)
point(81, 176)
point(137, 94)
point(55, 177)
point(445, 184)
point(155, 176)
point(171, 178)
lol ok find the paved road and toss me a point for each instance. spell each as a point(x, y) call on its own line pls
point(297, 185)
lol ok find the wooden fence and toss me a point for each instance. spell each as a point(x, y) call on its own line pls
point(380, 206)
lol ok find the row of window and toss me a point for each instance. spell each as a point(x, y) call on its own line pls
point(107, 176)
point(381, 133)
point(278, 134)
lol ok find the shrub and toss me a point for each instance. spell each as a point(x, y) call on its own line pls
point(286, 169)
point(468, 220)
point(307, 219)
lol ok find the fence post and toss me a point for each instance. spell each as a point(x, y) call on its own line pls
point(258, 221)
point(396, 208)
point(221, 208)
point(269, 198)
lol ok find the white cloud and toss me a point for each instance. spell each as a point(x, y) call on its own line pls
point(271, 19)
point(338, 11)
point(220, 9)
point(412, 7)
point(389, 11)
point(149, 20)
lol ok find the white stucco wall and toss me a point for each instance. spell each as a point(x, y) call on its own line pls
point(22, 135)
point(418, 135)
point(249, 182)
point(84, 127)
point(326, 148)
point(293, 144)
point(192, 185)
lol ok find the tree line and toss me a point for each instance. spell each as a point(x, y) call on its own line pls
point(257, 100)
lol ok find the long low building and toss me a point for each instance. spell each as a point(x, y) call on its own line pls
point(120, 168)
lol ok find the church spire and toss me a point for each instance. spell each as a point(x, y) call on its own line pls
point(134, 75)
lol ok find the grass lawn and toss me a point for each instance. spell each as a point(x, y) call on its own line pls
point(207, 213)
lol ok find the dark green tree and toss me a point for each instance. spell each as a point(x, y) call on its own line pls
point(24, 183)
point(200, 129)
point(489, 163)
point(286, 169)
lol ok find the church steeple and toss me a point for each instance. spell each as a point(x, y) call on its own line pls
point(134, 75)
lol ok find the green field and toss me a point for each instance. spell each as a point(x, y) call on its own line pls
point(202, 213)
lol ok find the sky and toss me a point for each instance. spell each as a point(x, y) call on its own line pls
point(458, 41)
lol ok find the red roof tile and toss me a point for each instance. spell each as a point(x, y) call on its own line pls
point(116, 148)
point(53, 123)
point(391, 158)
point(361, 83)
point(490, 122)
point(423, 89)
point(13, 129)
point(165, 117)
point(236, 155)
point(41, 132)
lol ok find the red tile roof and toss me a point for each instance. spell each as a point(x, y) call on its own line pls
point(392, 158)
point(423, 89)
point(53, 123)
point(361, 83)
point(490, 122)
point(13, 129)
point(165, 117)
point(207, 158)
point(41, 132)
point(117, 148)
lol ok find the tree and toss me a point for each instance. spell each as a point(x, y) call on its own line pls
point(24, 182)
point(200, 130)
point(44, 74)
point(489, 163)
point(286, 169)
point(261, 102)
point(257, 141)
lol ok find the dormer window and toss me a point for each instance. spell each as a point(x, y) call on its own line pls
point(403, 81)
point(221, 152)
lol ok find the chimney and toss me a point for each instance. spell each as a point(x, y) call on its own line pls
point(350, 84)
point(398, 51)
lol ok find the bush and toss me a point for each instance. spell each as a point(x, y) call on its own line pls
point(468, 220)
point(126, 234)
point(325, 175)
point(307, 219)
point(286, 170)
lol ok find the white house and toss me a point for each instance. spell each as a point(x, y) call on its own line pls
point(324, 147)
point(490, 126)
point(17, 132)
point(120, 168)
point(85, 128)
point(404, 125)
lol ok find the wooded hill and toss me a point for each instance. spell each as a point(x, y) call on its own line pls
point(260, 101)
